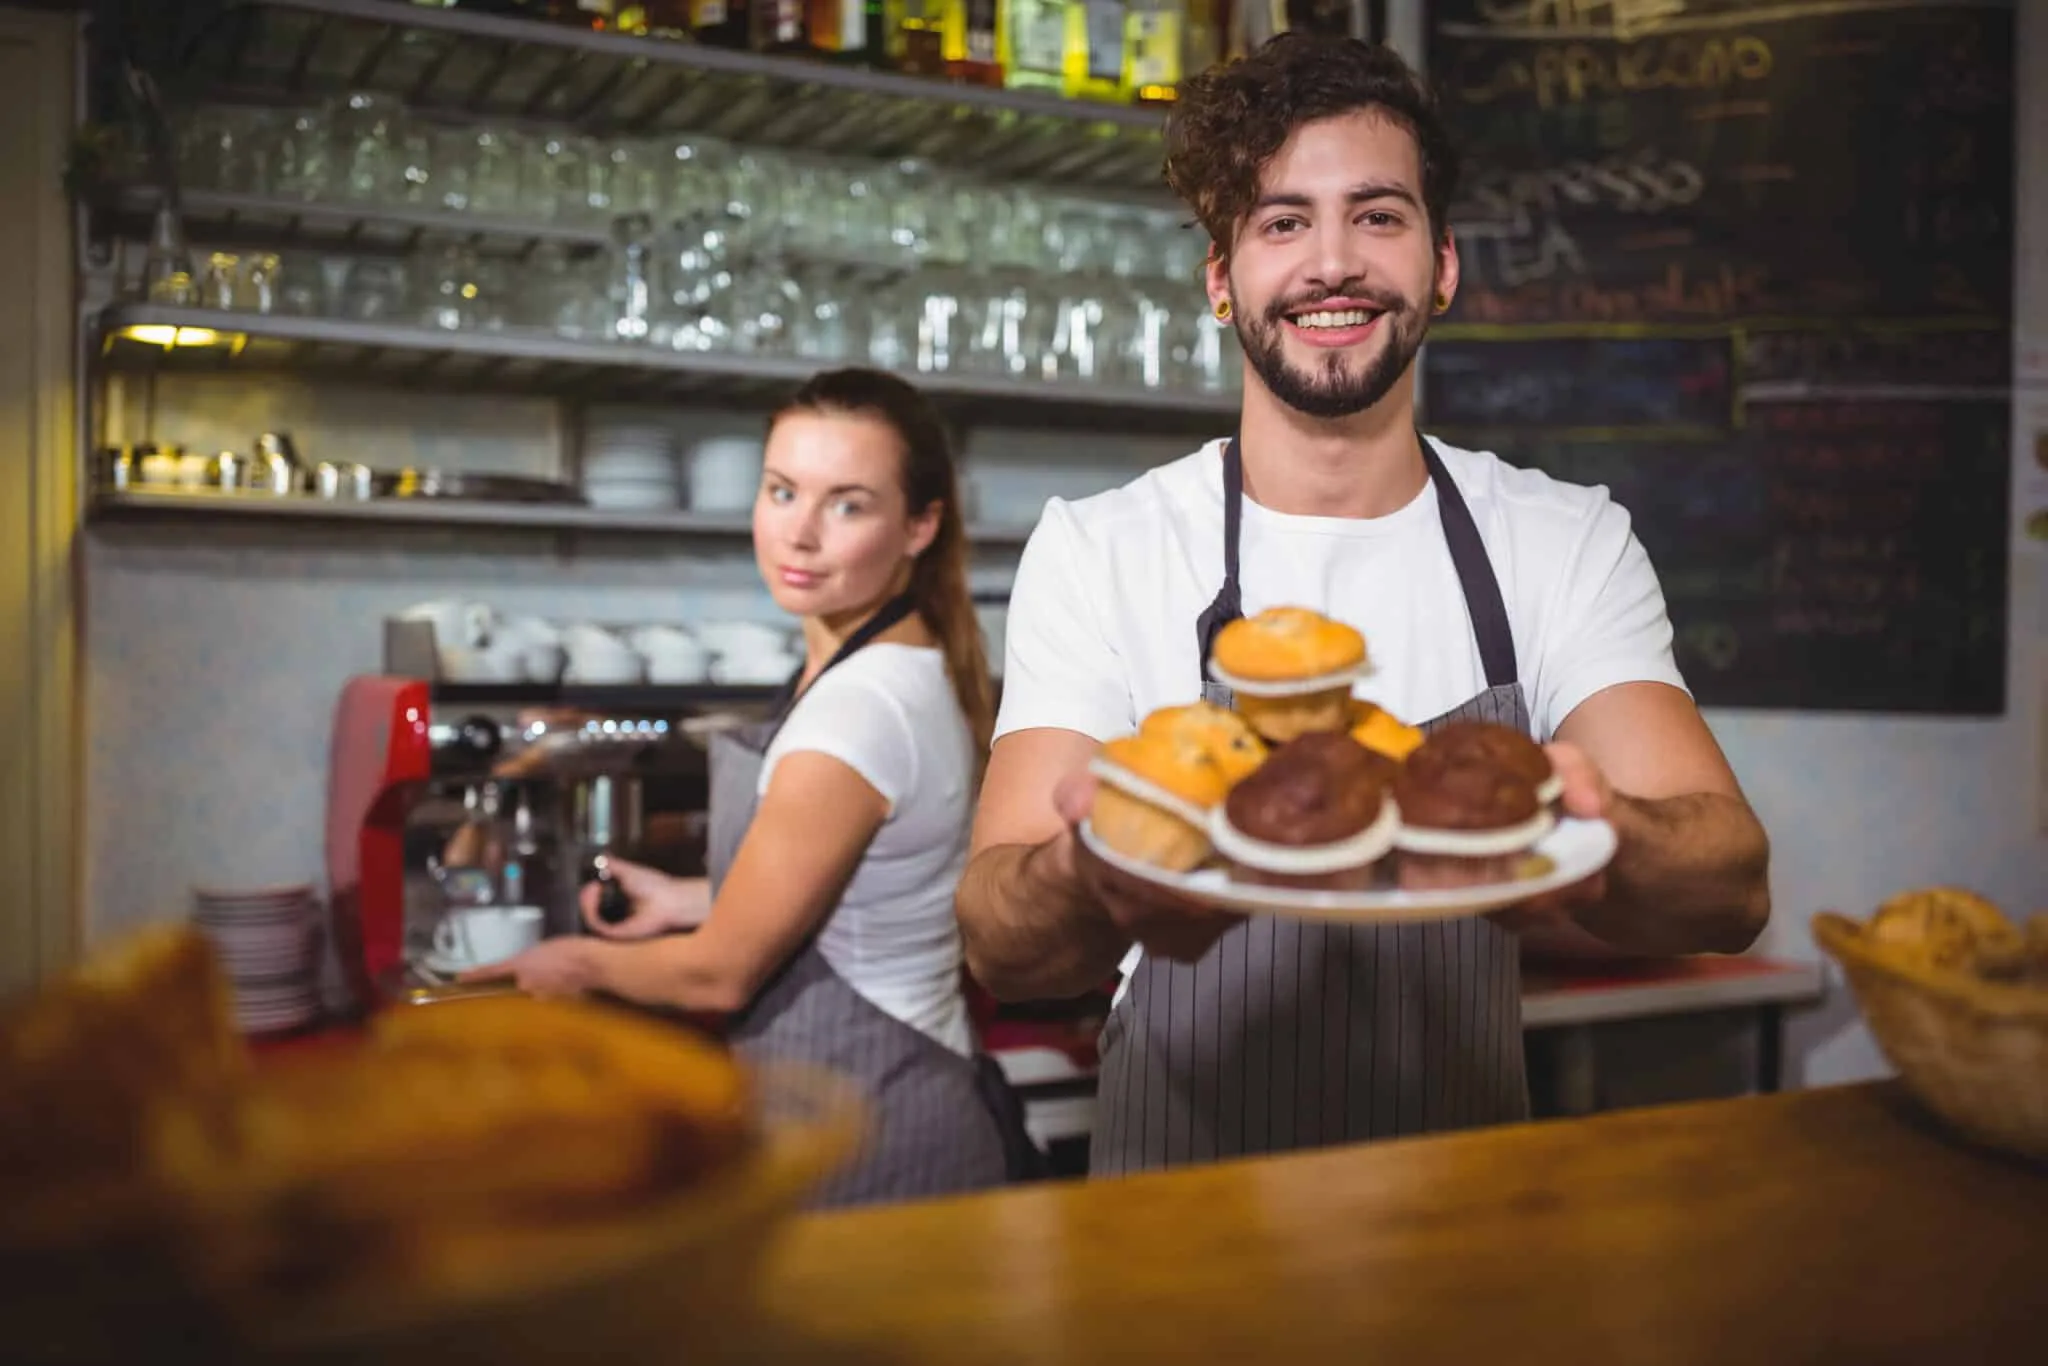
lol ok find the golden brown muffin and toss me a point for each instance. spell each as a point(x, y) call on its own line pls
point(1273, 661)
point(1228, 738)
point(1381, 731)
point(1287, 645)
point(1950, 927)
point(1152, 799)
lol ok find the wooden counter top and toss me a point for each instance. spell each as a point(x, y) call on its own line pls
point(1819, 1226)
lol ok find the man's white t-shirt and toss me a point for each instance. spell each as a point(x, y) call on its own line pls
point(888, 712)
point(1101, 626)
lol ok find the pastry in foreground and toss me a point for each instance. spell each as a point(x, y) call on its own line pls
point(1153, 794)
point(1291, 670)
point(1506, 746)
point(1225, 735)
point(1381, 731)
point(1317, 815)
point(1466, 820)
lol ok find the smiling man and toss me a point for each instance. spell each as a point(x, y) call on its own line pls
point(1322, 175)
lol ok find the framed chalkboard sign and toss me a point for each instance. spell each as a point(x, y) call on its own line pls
point(1750, 265)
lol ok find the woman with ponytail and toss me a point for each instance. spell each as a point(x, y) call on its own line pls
point(839, 826)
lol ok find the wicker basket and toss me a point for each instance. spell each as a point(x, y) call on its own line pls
point(1974, 1052)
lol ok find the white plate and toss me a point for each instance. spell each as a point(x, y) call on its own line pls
point(1577, 849)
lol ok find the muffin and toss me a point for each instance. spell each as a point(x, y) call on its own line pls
point(1317, 814)
point(1381, 731)
point(1152, 799)
point(1505, 746)
point(1291, 669)
point(1466, 819)
point(1225, 735)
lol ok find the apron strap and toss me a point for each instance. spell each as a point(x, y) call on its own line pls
point(1475, 574)
point(887, 615)
point(1228, 604)
point(1483, 601)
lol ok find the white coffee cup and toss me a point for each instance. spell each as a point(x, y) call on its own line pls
point(596, 655)
point(474, 936)
point(673, 655)
point(457, 625)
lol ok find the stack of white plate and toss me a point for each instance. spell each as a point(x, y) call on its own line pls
point(631, 467)
point(265, 939)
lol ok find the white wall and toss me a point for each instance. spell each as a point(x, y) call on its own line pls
point(213, 667)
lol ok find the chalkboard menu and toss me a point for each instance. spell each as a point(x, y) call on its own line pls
point(1750, 266)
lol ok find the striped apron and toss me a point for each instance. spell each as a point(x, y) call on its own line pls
point(1295, 1033)
point(943, 1123)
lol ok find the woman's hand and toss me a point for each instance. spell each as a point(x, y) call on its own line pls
point(661, 904)
point(563, 966)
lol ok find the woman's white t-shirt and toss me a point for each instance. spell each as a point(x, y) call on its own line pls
point(888, 712)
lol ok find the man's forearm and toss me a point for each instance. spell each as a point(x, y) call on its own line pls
point(1692, 876)
point(1030, 931)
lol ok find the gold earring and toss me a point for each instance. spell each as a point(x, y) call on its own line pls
point(1223, 310)
point(1443, 303)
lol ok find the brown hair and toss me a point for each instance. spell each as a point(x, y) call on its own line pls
point(938, 581)
point(1230, 121)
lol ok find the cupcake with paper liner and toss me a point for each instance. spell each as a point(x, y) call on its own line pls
point(1466, 820)
point(1153, 795)
point(1381, 731)
point(1291, 670)
point(1226, 736)
point(1507, 747)
point(1318, 814)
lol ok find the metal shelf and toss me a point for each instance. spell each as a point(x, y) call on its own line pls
point(533, 362)
point(463, 64)
point(223, 217)
point(134, 505)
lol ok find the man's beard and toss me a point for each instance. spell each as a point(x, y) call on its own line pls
point(1334, 389)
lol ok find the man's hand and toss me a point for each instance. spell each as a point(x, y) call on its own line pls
point(1170, 926)
point(1589, 796)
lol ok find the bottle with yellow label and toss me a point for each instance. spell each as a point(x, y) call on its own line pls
point(1094, 66)
point(1152, 49)
point(969, 40)
point(1034, 43)
point(916, 36)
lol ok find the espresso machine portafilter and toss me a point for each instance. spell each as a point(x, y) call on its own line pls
point(606, 816)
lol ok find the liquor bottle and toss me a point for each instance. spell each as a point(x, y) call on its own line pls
point(917, 37)
point(1153, 33)
point(1034, 43)
point(778, 26)
point(1203, 44)
point(1330, 18)
point(721, 23)
point(1094, 65)
point(839, 29)
point(969, 41)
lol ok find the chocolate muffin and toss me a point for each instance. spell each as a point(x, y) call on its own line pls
point(1467, 819)
point(1316, 814)
point(1501, 745)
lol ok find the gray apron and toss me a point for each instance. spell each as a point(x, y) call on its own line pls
point(943, 1123)
point(1297, 1034)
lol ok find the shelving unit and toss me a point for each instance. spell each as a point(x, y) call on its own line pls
point(460, 67)
point(408, 356)
point(460, 64)
point(200, 505)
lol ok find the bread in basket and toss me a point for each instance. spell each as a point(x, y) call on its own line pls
point(1956, 995)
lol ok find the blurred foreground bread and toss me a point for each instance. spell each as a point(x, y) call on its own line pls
point(153, 1180)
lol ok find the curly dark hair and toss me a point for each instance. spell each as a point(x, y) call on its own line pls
point(1230, 121)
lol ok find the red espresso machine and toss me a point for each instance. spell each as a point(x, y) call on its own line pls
point(568, 776)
